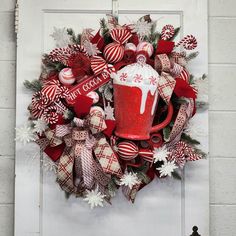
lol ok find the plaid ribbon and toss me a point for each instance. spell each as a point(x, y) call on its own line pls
point(184, 113)
point(166, 85)
point(182, 152)
point(81, 161)
point(130, 193)
point(107, 158)
point(51, 140)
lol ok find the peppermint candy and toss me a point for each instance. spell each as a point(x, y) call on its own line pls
point(167, 32)
point(189, 42)
point(63, 55)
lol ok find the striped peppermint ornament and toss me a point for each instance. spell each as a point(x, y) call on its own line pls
point(114, 52)
point(127, 150)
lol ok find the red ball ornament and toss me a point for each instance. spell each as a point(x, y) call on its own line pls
point(127, 150)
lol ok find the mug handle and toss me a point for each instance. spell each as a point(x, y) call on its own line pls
point(164, 123)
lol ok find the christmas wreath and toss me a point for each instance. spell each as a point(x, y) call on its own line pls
point(111, 109)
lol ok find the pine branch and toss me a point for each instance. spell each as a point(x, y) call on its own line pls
point(204, 76)
point(57, 66)
point(34, 85)
point(176, 175)
point(175, 34)
point(105, 31)
point(191, 79)
point(192, 55)
point(143, 177)
point(166, 133)
point(189, 140)
point(200, 152)
point(72, 34)
point(202, 105)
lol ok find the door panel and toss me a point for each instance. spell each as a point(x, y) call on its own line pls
point(165, 207)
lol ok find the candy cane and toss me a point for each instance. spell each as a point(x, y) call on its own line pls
point(189, 42)
point(167, 32)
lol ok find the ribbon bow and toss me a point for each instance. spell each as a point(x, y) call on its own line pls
point(81, 141)
point(120, 35)
point(99, 65)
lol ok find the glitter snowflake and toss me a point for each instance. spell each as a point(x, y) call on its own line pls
point(25, 134)
point(90, 48)
point(109, 112)
point(167, 168)
point(40, 126)
point(129, 179)
point(48, 165)
point(142, 28)
point(160, 154)
point(94, 198)
point(106, 90)
point(61, 37)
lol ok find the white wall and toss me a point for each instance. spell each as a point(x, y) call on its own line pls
point(222, 67)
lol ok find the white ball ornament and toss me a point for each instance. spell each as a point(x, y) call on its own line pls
point(130, 46)
point(66, 76)
point(94, 96)
point(145, 46)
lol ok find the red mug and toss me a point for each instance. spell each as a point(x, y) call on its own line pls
point(135, 101)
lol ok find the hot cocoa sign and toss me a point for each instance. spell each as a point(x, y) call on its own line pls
point(90, 84)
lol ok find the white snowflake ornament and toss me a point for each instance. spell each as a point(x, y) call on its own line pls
point(25, 134)
point(142, 28)
point(61, 37)
point(40, 126)
point(94, 198)
point(160, 154)
point(167, 168)
point(109, 112)
point(91, 48)
point(129, 179)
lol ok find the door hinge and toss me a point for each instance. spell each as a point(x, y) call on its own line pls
point(17, 17)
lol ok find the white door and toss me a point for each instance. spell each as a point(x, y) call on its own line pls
point(166, 207)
